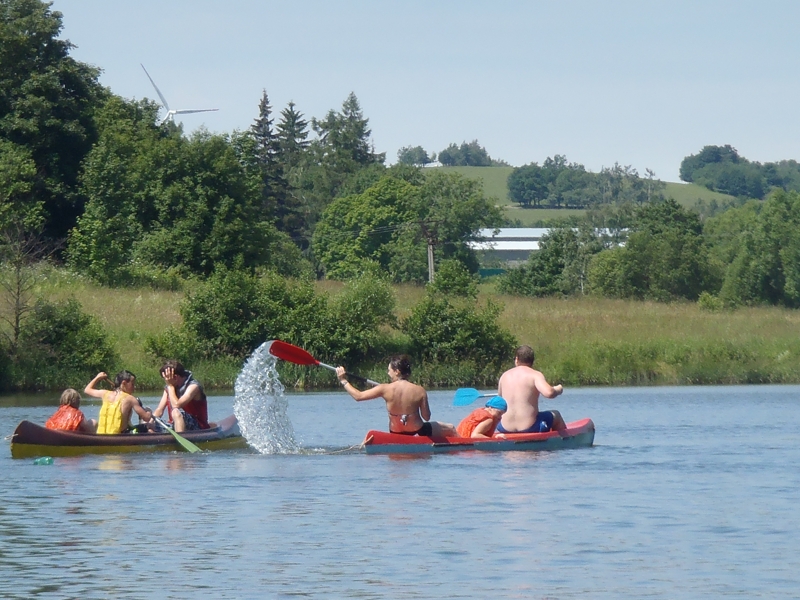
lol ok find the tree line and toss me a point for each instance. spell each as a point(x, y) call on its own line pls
point(662, 251)
point(722, 169)
point(558, 183)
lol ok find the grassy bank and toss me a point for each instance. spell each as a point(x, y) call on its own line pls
point(578, 341)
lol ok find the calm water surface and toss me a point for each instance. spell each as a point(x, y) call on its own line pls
point(688, 492)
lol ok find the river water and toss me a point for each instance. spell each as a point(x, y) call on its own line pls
point(688, 492)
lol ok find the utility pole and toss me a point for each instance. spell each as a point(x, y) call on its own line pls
point(430, 237)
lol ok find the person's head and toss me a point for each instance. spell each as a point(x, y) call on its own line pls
point(524, 356)
point(177, 368)
point(400, 367)
point(497, 405)
point(70, 397)
point(125, 381)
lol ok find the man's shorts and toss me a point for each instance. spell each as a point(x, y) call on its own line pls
point(544, 422)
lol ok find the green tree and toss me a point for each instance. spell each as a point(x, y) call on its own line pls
point(17, 182)
point(271, 152)
point(416, 155)
point(292, 134)
point(158, 199)
point(528, 185)
point(392, 222)
point(763, 251)
point(47, 100)
point(470, 154)
point(665, 257)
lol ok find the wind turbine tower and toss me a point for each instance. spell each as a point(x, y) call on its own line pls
point(175, 111)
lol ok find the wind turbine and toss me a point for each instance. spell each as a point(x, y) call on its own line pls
point(171, 113)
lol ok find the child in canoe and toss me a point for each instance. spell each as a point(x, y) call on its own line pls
point(69, 417)
point(481, 422)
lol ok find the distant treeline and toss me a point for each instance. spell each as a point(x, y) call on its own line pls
point(661, 251)
point(558, 183)
point(720, 168)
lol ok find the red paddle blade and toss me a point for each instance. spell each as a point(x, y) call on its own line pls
point(292, 354)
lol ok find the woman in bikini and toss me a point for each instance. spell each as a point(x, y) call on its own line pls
point(406, 402)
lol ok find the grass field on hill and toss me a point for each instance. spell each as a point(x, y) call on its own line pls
point(578, 341)
point(495, 186)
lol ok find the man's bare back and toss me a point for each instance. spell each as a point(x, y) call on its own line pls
point(520, 387)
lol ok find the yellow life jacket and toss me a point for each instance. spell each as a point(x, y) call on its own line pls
point(110, 419)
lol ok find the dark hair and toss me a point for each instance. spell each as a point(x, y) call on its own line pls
point(123, 376)
point(402, 364)
point(525, 355)
point(176, 366)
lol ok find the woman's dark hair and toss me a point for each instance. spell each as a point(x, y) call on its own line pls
point(402, 364)
point(123, 376)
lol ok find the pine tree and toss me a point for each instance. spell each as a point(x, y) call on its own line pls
point(292, 136)
point(277, 198)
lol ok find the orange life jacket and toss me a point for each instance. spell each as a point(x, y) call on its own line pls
point(475, 418)
point(66, 417)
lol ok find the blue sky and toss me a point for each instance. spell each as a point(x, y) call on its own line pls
point(639, 83)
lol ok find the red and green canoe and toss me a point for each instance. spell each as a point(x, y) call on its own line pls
point(578, 434)
point(31, 440)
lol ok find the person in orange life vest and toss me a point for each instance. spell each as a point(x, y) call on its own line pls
point(68, 416)
point(118, 404)
point(481, 422)
point(184, 397)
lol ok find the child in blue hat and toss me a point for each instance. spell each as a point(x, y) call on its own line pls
point(481, 422)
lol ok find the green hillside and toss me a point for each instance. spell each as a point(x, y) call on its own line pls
point(495, 186)
point(687, 194)
point(494, 180)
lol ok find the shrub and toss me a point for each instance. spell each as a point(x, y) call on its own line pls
point(444, 331)
point(233, 312)
point(61, 345)
point(453, 278)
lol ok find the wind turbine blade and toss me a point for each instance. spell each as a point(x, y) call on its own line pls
point(186, 111)
point(160, 95)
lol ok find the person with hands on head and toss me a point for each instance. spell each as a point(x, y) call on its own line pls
point(521, 387)
point(406, 402)
point(118, 404)
point(183, 397)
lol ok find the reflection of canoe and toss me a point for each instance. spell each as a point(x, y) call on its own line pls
point(30, 440)
point(578, 434)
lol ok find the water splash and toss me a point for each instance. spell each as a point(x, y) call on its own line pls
point(260, 405)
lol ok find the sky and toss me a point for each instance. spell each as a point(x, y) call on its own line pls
point(639, 83)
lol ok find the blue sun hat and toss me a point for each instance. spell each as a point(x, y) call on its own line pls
point(498, 403)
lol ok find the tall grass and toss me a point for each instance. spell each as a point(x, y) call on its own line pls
point(578, 341)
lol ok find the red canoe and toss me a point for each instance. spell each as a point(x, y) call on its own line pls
point(578, 434)
point(30, 440)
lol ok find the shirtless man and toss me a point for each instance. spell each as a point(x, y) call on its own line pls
point(521, 387)
point(406, 402)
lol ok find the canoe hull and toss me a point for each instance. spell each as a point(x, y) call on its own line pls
point(579, 434)
point(31, 440)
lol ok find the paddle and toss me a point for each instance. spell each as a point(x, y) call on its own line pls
point(189, 446)
point(466, 396)
point(298, 356)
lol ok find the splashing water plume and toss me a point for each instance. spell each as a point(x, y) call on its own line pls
point(260, 405)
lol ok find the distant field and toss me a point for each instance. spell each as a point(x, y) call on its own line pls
point(495, 186)
point(687, 194)
point(494, 180)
